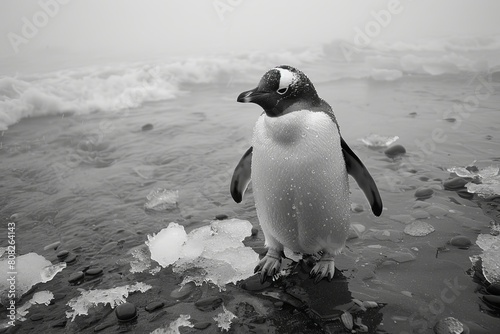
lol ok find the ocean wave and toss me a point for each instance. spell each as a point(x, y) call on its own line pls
point(116, 87)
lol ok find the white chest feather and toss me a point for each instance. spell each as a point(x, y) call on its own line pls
point(300, 181)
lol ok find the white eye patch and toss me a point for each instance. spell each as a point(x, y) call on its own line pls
point(286, 78)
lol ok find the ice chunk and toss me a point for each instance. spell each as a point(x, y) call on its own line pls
point(29, 270)
point(488, 187)
point(216, 251)
point(376, 141)
point(224, 319)
point(40, 297)
point(173, 328)
point(166, 246)
point(490, 257)
point(113, 297)
point(418, 229)
point(486, 180)
point(162, 199)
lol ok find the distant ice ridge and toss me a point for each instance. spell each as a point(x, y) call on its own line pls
point(213, 253)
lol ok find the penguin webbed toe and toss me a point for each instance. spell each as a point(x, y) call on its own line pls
point(325, 267)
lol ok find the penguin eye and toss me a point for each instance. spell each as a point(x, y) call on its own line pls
point(282, 91)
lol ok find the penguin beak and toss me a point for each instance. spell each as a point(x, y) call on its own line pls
point(252, 95)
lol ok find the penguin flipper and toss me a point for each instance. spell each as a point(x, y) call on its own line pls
point(358, 171)
point(241, 176)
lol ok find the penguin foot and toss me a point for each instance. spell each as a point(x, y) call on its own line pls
point(269, 265)
point(325, 267)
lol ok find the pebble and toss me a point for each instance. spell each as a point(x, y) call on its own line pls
point(357, 208)
point(94, 271)
point(147, 127)
point(70, 258)
point(209, 303)
point(253, 284)
point(420, 214)
point(126, 312)
point(455, 183)
point(461, 241)
point(419, 229)
point(395, 151)
point(492, 300)
point(53, 245)
point(76, 276)
point(154, 305)
point(15, 217)
point(183, 291)
point(465, 194)
point(62, 254)
point(448, 325)
point(424, 193)
point(36, 317)
point(494, 289)
point(221, 216)
point(279, 304)
point(201, 325)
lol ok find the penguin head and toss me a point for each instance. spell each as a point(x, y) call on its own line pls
point(282, 90)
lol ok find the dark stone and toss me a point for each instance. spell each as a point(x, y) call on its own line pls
point(154, 305)
point(76, 277)
point(455, 183)
point(424, 193)
point(492, 300)
point(201, 325)
point(395, 151)
point(494, 289)
point(60, 323)
point(94, 271)
point(70, 259)
point(183, 291)
point(147, 127)
point(209, 303)
point(126, 312)
point(461, 241)
point(36, 317)
point(253, 284)
point(221, 216)
point(62, 254)
point(255, 231)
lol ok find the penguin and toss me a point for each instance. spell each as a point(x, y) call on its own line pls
point(298, 165)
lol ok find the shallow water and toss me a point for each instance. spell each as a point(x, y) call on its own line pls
point(83, 180)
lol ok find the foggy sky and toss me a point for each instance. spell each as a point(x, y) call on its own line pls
point(132, 28)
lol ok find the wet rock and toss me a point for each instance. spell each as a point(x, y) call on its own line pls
point(201, 325)
point(420, 214)
point(492, 300)
point(154, 305)
point(126, 312)
point(62, 254)
point(147, 127)
point(357, 208)
point(94, 271)
point(221, 216)
point(53, 245)
point(253, 284)
point(70, 258)
point(279, 304)
point(465, 194)
point(15, 217)
point(395, 151)
point(76, 277)
point(455, 183)
point(424, 193)
point(461, 241)
point(449, 325)
point(60, 324)
point(209, 303)
point(419, 229)
point(183, 291)
point(254, 231)
point(36, 317)
point(494, 289)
